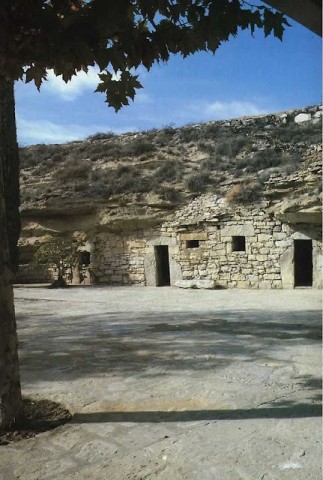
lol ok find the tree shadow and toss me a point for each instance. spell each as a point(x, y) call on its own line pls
point(301, 410)
point(65, 347)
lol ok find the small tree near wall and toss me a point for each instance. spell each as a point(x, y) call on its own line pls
point(60, 253)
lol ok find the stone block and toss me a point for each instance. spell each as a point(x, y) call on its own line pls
point(193, 236)
point(135, 277)
point(252, 278)
point(205, 283)
point(243, 284)
point(196, 283)
point(265, 284)
point(279, 236)
point(269, 276)
point(301, 236)
point(225, 268)
point(224, 276)
point(283, 243)
point(302, 117)
point(237, 230)
point(263, 237)
point(269, 244)
point(261, 258)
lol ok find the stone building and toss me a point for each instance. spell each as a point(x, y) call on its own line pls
point(209, 244)
point(151, 237)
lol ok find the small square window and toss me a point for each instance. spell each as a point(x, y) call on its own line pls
point(192, 243)
point(238, 244)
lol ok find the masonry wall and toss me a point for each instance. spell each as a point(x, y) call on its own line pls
point(266, 261)
point(119, 258)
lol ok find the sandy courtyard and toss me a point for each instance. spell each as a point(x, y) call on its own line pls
point(171, 384)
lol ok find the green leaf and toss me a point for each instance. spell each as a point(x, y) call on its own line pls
point(36, 74)
point(118, 91)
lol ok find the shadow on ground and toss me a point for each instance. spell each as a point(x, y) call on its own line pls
point(125, 343)
point(301, 410)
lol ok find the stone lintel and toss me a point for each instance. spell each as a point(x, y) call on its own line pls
point(193, 236)
point(238, 230)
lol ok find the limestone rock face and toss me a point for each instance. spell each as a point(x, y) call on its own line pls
point(303, 210)
point(114, 185)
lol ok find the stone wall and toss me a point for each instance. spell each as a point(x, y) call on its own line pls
point(119, 258)
point(29, 274)
point(211, 246)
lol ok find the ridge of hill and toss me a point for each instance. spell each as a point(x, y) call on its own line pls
point(274, 158)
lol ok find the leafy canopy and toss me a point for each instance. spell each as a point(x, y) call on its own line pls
point(68, 36)
point(61, 252)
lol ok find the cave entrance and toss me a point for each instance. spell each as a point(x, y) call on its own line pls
point(162, 266)
point(303, 263)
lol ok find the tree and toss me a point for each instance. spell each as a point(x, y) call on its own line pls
point(63, 254)
point(68, 36)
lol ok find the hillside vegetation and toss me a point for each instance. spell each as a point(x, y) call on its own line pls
point(235, 159)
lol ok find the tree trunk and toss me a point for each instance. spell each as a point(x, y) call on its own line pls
point(10, 391)
point(9, 155)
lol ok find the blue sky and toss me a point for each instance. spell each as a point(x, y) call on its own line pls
point(247, 76)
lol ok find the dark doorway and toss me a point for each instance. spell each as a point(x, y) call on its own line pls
point(303, 263)
point(162, 266)
point(85, 258)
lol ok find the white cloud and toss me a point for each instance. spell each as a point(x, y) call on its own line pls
point(79, 84)
point(44, 131)
point(204, 111)
point(232, 109)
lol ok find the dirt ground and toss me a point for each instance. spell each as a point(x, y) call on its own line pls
point(167, 384)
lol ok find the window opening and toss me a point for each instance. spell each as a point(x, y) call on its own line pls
point(238, 244)
point(85, 258)
point(192, 243)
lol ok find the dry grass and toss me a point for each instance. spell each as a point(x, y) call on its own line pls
point(172, 162)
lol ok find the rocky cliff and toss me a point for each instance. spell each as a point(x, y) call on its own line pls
point(113, 183)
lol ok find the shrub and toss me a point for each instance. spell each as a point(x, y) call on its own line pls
point(168, 193)
point(307, 132)
point(125, 170)
point(211, 130)
point(231, 147)
point(209, 164)
point(167, 171)
point(197, 182)
point(205, 147)
point(169, 129)
point(263, 159)
point(71, 171)
point(100, 136)
point(132, 184)
point(224, 148)
point(248, 192)
point(189, 134)
point(80, 186)
point(29, 158)
point(137, 147)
